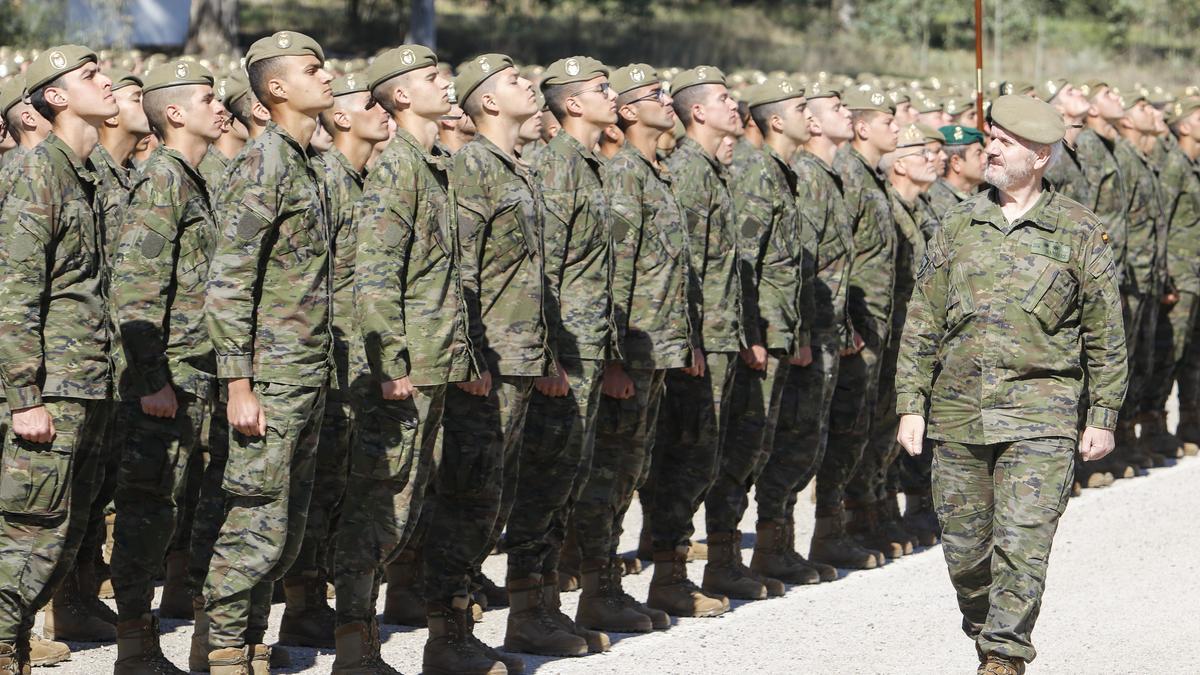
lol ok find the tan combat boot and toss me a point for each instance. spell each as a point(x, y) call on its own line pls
point(1156, 441)
point(893, 524)
point(487, 594)
point(726, 574)
point(771, 557)
point(138, 651)
point(11, 662)
point(358, 651)
point(1128, 458)
point(827, 572)
point(532, 628)
point(920, 517)
point(308, 620)
point(43, 652)
point(262, 659)
point(229, 661)
point(451, 648)
point(1188, 431)
point(176, 600)
point(1001, 665)
point(597, 642)
point(672, 592)
point(831, 546)
point(601, 605)
point(198, 653)
point(403, 604)
point(73, 614)
point(865, 527)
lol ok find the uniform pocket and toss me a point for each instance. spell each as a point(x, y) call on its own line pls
point(150, 454)
point(35, 478)
point(961, 302)
point(1052, 297)
point(261, 466)
point(386, 441)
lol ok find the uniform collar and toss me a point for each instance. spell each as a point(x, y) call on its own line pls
point(1041, 215)
point(402, 136)
point(178, 157)
point(690, 147)
point(570, 143)
point(336, 157)
point(82, 168)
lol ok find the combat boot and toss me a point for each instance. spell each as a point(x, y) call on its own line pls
point(601, 605)
point(532, 628)
point(403, 604)
point(451, 648)
point(597, 641)
point(358, 651)
point(697, 550)
point(628, 564)
point(1001, 665)
point(308, 620)
point(262, 659)
point(827, 572)
point(493, 595)
point(1155, 440)
point(43, 652)
point(771, 557)
point(568, 563)
point(831, 546)
point(865, 528)
point(1128, 458)
point(138, 651)
point(920, 518)
point(672, 592)
point(73, 615)
point(726, 575)
point(176, 601)
point(198, 652)
point(11, 662)
point(229, 661)
point(1188, 431)
point(645, 549)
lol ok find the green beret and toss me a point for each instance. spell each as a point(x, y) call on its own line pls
point(55, 62)
point(956, 134)
point(697, 76)
point(1050, 88)
point(821, 90)
point(1011, 87)
point(1030, 118)
point(349, 84)
point(12, 92)
point(475, 72)
point(931, 135)
point(123, 78)
point(235, 86)
point(868, 100)
point(632, 76)
point(573, 69)
point(1182, 108)
point(911, 136)
point(177, 74)
point(283, 43)
point(398, 61)
point(773, 90)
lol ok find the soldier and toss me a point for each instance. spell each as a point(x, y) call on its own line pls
point(159, 272)
point(455, 130)
point(931, 112)
point(272, 348)
point(905, 113)
point(1067, 175)
point(1005, 434)
point(54, 348)
point(233, 138)
point(964, 168)
point(800, 437)
point(688, 438)
point(22, 122)
point(869, 310)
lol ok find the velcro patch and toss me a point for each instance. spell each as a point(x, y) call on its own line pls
point(153, 244)
point(1051, 249)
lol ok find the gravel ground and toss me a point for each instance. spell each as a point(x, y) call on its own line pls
point(1121, 598)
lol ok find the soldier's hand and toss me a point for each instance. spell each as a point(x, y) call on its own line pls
point(1170, 298)
point(482, 386)
point(33, 424)
point(698, 363)
point(161, 403)
point(397, 390)
point(554, 386)
point(1095, 443)
point(803, 358)
point(755, 357)
point(617, 383)
point(911, 434)
point(244, 412)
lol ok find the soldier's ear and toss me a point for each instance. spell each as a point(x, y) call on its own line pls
point(487, 102)
point(341, 119)
point(627, 113)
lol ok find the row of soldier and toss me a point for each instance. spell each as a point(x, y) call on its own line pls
point(282, 365)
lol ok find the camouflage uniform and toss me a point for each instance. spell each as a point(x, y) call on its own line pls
point(411, 322)
point(800, 436)
point(690, 431)
point(273, 229)
point(1017, 318)
point(53, 352)
point(165, 247)
point(943, 196)
point(212, 168)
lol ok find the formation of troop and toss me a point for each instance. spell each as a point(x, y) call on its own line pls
point(299, 329)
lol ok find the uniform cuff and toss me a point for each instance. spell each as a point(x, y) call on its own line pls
point(1102, 418)
point(910, 404)
point(394, 369)
point(235, 366)
point(20, 398)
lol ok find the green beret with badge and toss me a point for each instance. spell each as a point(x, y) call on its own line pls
point(772, 90)
point(398, 61)
point(1133, 98)
point(956, 134)
point(177, 74)
point(477, 71)
point(351, 83)
point(1093, 87)
point(283, 43)
point(876, 101)
point(123, 78)
point(1030, 118)
point(696, 77)
point(56, 62)
point(12, 92)
point(573, 69)
point(632, 76)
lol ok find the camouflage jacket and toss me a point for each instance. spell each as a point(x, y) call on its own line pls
point(342, 186)
point(910, 251)
point(943, 196)
point(1010, 322)
point(268, 293)
point(212, 169)
point(1145, 240)
point(819, 196)
point(55, 328)
point(777, 260)
point(509, 304)
point(409, 302)
point(700, 185)
point(115, 182)
point(873, 274)
point(1067, 176)
point(578, 242)
point(164, 248)
point(1180, 181)
point(1109, 197)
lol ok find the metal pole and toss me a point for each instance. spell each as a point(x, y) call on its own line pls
point(979, 62)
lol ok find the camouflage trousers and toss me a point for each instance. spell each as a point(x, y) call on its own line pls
point(869, 482)
point(555, 458)
point(749, 419)
point(46, 492)
point(800, 434)
point(391, 461)
point(481, 436)
point(913, 475)
point(621, 463)
point(104, 487)
point(1172, 342)
point(850, 418)
point(329, 488)
point(209, 512)
point(686, 451)
point(999, 507)
point(150, 483)
point(269, 481)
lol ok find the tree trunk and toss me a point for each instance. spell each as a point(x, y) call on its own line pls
point(214, 28)
point(422, 25)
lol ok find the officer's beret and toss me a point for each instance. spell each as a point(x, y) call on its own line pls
point(283, 43)
point(55, 62)
point(821, 90)
point(957, 134)
point(868, 100)
point(773, 90)
point(177, 74)
point(697, 76)
point(1050, 88)
point(573, 69)
point(632, 76)
point(11, 93)
point(398, 61)
point(477, 71)
point(910, 137)
point(351, 83)
point(123, 78)
point(1028, 117)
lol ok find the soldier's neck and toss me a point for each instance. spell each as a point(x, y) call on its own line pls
point(1135, 137)
point(782, 145)
point(706, 137)
point(296, 124)
point(418, 127)
point(30, 139)
point(645, 140)
point(229, 145)
point(1018, 199)
point(587, 134)
point(192, 147)
point(118, 142)
point(1101, 126)
point(908, 190)
point(1190, 147)
point(960, 183)
point(78, 135)
point(823, 148)
point(504, 133)
point(357, 150)
point(867, 151)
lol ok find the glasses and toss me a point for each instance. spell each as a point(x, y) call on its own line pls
point(927, 154)
point(659, 95)
point(602, 88)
